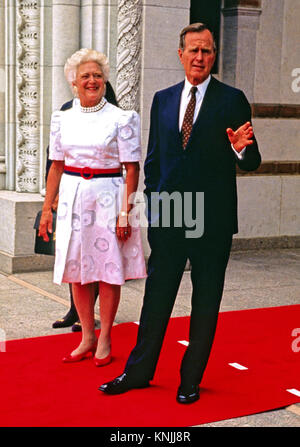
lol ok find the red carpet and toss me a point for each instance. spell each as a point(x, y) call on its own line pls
point(37, 389)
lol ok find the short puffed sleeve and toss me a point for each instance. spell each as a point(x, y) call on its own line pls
point(129, 137)
point(55, 149)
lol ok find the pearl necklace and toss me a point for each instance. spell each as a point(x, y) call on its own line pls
point(95, 108)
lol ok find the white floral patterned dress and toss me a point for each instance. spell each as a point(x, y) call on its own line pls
point(87, 248)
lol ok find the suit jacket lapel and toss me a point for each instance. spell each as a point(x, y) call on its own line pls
point(172, 112)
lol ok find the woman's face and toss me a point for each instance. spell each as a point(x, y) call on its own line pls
point(90, 84)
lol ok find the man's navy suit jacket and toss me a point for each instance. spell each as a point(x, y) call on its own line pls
point(208, 164)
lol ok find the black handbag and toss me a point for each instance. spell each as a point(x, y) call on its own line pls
point(41, 247)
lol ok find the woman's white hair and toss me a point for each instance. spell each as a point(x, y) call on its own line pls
point(82, 56)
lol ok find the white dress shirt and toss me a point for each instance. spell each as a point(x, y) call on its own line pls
point(185, 98)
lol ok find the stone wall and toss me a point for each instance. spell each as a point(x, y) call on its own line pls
point(259, 52)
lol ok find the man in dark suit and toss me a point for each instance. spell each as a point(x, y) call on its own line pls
point(192, 149)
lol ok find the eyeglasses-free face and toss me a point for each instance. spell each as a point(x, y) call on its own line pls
point(89, 83)
point(198, 56)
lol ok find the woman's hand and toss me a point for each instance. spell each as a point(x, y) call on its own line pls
point(45, 225)
point(123, 228)
point(54, 176)
point(55, 204)
point(241, 137)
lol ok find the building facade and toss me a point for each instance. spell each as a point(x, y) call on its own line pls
point(258, 51)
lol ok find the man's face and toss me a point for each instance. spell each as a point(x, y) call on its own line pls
point(198, 56)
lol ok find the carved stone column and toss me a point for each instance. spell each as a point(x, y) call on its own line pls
point(65, 41)
point(27, 95)
point(10, 89)
point(2, 98)
point(129, 54)
point(240, 25)
point(94, 24)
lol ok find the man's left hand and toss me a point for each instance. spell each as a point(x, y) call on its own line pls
point(242, 137)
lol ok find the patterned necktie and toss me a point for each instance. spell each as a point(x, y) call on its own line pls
point(187, 124)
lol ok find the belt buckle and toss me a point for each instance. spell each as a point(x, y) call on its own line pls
point(86, 171)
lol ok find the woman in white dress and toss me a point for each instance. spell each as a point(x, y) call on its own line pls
point(96, 240)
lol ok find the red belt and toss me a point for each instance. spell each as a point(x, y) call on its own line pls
point(88, 173)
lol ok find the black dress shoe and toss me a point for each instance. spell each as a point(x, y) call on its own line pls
point(122, 384)
point(77, 327)
point(67, 320)
point(188, 394)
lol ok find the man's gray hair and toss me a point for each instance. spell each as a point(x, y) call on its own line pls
point(194, 28)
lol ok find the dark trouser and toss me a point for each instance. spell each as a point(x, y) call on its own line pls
point(169, 253)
